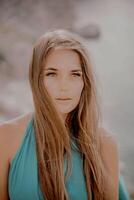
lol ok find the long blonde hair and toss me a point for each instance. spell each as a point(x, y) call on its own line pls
point(53, 136)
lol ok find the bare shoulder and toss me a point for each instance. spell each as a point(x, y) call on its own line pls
point(11, 133)
point(108, 141)
point(17, 120)
point(10, 127)
point(110, 156)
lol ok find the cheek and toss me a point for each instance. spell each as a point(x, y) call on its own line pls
point(79, 86)
point(50, 87)
point(77, 89)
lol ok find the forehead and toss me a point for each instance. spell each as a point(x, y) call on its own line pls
point(62, 58)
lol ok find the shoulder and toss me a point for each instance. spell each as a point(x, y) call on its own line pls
point(110, 156)
point(8, 127)
point(11, 133)
point(108, 138)
point(109, 145)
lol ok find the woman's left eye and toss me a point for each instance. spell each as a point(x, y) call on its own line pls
point(76, 74)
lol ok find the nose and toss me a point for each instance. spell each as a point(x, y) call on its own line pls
point(64, 84)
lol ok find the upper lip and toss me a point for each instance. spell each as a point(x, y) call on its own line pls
point(63, 98)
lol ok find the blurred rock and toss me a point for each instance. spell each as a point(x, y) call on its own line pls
point(90, 31)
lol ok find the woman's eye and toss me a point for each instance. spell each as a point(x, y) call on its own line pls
point(51, 73)
point(76, 74)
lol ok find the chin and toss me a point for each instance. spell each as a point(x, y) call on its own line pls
point(65, 111)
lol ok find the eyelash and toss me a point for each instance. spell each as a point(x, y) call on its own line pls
point(51, 73)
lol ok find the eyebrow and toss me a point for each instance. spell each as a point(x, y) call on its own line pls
point(54, 69)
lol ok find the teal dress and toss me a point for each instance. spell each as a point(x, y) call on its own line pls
point(23, 182)
point(123, 192)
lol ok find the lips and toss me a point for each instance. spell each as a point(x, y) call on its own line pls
point(65, 98)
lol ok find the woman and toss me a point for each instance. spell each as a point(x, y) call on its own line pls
point(59, 151)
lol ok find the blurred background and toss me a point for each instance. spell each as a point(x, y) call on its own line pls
point(107, 26)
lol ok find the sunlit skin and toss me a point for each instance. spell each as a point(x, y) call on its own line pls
point(63, 78)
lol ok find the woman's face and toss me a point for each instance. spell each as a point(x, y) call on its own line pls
point(63, 79)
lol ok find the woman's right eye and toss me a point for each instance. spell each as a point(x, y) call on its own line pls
point(50, 73)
